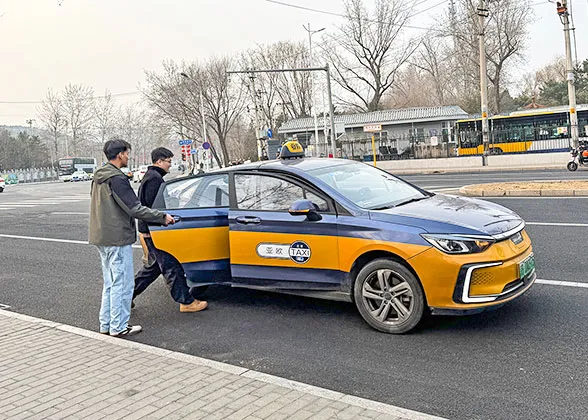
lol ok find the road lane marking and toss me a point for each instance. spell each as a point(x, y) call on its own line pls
point(3, 306)
point(69, 212)
point(563, 283)
point(557, 224)
point(37, 238)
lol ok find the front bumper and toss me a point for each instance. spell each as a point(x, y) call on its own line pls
point(474, 282)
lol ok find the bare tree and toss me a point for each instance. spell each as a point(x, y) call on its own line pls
point(278, 93)
point(51, 115)
point(178, 99)
point(78, 111)
point(369, 52)
point(506, 32)
point(105, 116)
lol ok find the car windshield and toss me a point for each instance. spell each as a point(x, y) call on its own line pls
point(368, 187)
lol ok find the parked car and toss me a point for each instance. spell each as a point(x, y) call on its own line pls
point(11, 179)
point(2, 184)
point(127, 172)
point(79, 176)
point(345, 230)
point(140, 173)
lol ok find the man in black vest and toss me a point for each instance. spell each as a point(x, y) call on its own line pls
point(160, 262)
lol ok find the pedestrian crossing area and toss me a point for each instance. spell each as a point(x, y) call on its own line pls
point(60, 202)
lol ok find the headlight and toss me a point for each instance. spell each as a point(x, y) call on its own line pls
point(459, 244)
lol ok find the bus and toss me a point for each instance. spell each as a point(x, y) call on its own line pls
point(526, 131)
point(69, 165)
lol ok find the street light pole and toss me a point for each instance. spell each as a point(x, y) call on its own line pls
point(312, 105)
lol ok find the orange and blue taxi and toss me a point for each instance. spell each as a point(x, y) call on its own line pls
point(345, 230)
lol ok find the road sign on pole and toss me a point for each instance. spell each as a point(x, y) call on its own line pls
point(185, 142)
point(206, 145)
point(270, 133)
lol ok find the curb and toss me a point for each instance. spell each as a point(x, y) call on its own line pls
point(232, 369)
point(475, 191)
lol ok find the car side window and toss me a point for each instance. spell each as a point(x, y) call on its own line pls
point(261, 192)
point(205, 191)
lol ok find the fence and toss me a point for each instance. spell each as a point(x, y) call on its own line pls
point(394, 148)
point(31, 175)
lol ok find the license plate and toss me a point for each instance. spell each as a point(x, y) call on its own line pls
point(527, 266)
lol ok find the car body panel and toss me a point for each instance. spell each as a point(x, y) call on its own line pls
point(200, 241)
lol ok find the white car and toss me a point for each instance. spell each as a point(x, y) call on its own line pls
point(2, 184)
point(140, 173)
point(80, 176)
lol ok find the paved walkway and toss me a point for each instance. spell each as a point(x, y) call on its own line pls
point(53, 371)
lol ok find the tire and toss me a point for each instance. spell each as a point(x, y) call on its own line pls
point(1, 189)
point(572, 166)
point(371, 298)
point(198, 291)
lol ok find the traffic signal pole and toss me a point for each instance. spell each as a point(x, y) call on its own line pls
point(564, 15)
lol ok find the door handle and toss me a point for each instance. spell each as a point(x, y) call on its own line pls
point(177, 219)
point(248, 220)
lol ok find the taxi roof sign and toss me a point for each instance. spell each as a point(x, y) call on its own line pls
point(291, 150)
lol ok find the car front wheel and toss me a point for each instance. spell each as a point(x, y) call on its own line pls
point(388, 296)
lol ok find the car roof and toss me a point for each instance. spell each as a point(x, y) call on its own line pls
point(289, 165)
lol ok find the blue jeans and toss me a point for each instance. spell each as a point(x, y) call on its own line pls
point(117, 293)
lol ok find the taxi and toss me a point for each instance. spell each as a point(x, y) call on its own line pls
point(345, 230)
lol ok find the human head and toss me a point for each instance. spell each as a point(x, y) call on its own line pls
point(162, 158)
point(117, 152)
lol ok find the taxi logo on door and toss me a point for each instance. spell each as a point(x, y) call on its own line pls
point(299, 252)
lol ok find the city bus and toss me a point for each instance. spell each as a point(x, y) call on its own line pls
point(69, 165)
point(526, 131)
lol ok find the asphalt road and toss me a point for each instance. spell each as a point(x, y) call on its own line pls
point(526, 360)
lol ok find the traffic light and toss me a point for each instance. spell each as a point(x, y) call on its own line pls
point(184, 157)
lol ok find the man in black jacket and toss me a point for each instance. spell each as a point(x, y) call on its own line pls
point(160, 262)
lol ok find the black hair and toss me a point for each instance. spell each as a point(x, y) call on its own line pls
point(115, 146)
point(161, 153)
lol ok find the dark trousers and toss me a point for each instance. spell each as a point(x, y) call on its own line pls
point(161, 262)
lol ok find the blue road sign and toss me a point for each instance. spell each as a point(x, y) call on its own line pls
point(185, 142)
point(269, 133)
point(193, 151)
point(206, 145)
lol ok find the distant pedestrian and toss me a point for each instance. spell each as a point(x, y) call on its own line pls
point(160, 262)
point(113, 210)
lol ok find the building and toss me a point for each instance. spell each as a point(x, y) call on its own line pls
point(403, 132)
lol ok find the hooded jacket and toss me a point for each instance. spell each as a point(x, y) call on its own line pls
point(114, 208)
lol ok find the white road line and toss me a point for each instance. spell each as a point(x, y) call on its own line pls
point(563, 283)
point(6, 208)
point(36, 238)
point(19, 205)
point(68, 212)
point(557, 224)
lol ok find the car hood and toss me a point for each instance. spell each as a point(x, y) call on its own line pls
point(452, 214)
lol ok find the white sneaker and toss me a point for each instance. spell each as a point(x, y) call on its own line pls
point(131, 330)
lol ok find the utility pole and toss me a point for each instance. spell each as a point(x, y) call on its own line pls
point(482, 14)
point(257, 125)
point(564, 16)
point(312, 105)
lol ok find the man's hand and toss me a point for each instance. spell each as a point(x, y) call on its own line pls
point(169, 220)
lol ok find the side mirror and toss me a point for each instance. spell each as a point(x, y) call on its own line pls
point(305, 208)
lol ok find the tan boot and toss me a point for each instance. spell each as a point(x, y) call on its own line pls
point(196, 306)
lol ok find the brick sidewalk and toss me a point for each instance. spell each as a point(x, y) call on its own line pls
point(54, 371)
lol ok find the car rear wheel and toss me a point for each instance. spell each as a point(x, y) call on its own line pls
point(1, 189)
point(388, 296)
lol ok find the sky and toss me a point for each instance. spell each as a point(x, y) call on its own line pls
point(108, 44)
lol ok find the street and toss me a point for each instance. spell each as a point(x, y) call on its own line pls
point(525, 360)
